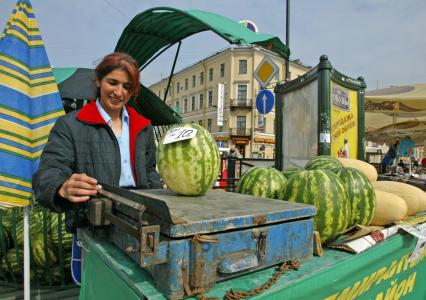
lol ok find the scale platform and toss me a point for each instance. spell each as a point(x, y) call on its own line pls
point(189, 243)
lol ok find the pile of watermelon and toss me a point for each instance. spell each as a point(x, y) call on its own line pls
point(343, 196)
point(344, 191)
point(50, 246)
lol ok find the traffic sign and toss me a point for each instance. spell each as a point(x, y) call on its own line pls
point(265, 101)
point(265, 71)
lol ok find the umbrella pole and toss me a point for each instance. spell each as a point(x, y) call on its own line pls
point(27, 287)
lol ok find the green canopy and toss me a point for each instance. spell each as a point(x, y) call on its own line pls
point(156, 28)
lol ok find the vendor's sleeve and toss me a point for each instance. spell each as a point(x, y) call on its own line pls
point(56, 166)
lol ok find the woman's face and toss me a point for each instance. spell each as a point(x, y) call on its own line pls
point(115, 91)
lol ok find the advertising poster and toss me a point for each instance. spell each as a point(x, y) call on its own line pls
point(344, 121)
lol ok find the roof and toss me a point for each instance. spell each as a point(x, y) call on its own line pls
point(156, 28)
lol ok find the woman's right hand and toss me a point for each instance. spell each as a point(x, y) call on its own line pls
point(79, 188)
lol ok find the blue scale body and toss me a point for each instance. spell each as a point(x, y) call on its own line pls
point(188, 244)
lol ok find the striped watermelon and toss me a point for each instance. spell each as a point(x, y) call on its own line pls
point(189, 167)
point(361, 195)
point(326, 191)
point(324, 162)
point(265, 182)
point(289, 172)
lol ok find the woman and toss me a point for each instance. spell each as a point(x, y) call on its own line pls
point(106, 141)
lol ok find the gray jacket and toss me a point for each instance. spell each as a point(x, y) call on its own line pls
point(81, 142)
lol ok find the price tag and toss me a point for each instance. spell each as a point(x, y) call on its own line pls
point(179, 134)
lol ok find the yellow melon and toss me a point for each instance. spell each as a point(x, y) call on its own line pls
point(389, 208)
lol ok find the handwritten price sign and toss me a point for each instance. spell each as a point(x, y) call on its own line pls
point(179, 134)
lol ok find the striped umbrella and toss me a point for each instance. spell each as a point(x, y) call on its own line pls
point(29, 104)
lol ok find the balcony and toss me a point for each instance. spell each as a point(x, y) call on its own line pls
point(240, 131)
point(239, 103)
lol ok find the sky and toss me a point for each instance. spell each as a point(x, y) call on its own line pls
point(380, 40)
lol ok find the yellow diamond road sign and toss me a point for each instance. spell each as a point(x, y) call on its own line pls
point(265, 71)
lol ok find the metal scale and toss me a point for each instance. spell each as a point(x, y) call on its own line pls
point(188, 244)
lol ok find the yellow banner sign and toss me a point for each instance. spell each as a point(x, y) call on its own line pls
point(344, 122)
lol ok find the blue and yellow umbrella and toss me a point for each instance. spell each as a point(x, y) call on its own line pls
point(29, 104)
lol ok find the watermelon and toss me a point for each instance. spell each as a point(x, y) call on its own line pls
point(265, 182)
point(324, 162)
point(43, 253)
point(58, 234)
point(326, 191)
point(361, 195)
point(289, 172)
point(189, 167)
point(13, 264)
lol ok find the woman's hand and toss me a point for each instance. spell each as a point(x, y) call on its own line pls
point(79, 188)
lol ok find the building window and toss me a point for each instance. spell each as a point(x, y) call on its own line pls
point(201, 103)
point(241, 125)
point(209, 125)
point(193, 80)
point(186, 84)
point(159, 94)
point(177, 87)
point(201, 78)
point(210, 96)
point(200, 122)
point(242, 68)
point(210, 74)
point(193, 103)
point(222, 70)
point(177, 108)
point(242, 92)
point(220, 128)
point(185, 106)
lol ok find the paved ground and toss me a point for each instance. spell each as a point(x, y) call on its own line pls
point(8, 292)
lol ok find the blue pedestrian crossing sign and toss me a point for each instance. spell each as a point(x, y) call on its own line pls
point(265, 101)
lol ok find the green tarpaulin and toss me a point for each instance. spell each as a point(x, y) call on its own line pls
point(382, 272)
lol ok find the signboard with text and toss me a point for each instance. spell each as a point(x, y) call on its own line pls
point(220, 100)
point(344, 121)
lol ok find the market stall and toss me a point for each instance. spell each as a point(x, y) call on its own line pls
point(382, 272)
point(396, 112)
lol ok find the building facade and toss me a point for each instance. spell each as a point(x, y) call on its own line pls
point(219, 93)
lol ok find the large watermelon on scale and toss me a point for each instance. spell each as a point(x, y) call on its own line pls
point(361, 195)
point(326, 191)
point(324, 162)
point(265, 182)
point(189, 167)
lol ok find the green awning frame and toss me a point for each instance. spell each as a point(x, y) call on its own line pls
point(155, 30)
point(161, 27)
